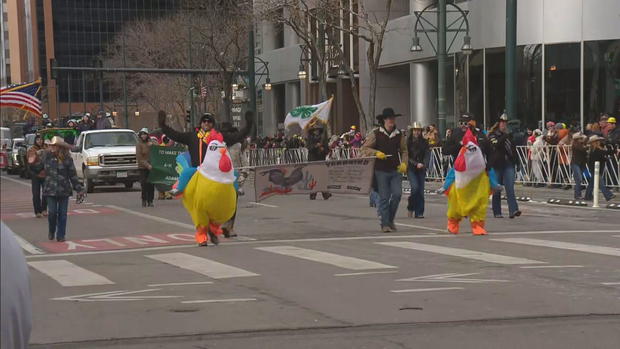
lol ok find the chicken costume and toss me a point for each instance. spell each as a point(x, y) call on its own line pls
point(210, 195)
point(468, 187)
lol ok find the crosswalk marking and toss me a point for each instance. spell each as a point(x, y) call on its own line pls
point(212, 269)
point(345, 262)
point(610, 251)
point(69, 274)
point(459, 252)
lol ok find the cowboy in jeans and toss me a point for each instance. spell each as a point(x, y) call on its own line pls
point(389, 145)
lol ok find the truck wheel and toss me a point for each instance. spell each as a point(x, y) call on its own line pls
point(90, 186)
point(128, 185)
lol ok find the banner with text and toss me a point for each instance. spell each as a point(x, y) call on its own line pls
point(164, 162)
point(353, 176)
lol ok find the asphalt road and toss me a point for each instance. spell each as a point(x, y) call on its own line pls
point(309, 274)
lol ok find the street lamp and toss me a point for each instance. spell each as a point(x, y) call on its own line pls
point(303, 59)
point(456, 26)
point(267, 85)
point(137, 114)
point(302, 72)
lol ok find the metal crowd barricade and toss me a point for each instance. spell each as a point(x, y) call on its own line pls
point(344, 153)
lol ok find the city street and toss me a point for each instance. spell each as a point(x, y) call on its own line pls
point(309, 274)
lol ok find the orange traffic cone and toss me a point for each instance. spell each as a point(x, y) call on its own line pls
point(453, 226)
point(477, 228)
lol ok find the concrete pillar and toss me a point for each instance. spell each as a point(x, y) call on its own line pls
point(423, 93)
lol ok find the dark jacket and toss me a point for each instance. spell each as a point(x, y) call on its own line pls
point(317, 146)
point(60, 175)
point(419, 152)
point(392, 144)
point(193, 142)
point(580, 154)
point(84, 126)
point(452, 146)
point(600, 155)
point(614, 137)
point(102, 123)
point(503, 150)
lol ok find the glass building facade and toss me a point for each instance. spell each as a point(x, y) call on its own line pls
point(82, 31)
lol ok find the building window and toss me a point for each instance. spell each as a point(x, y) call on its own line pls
point(562, 83)
point(476, 95)
point(529, 96)
point(278, 31)
point(601, 79)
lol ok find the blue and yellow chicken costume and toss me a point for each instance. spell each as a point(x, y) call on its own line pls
point(210, 196)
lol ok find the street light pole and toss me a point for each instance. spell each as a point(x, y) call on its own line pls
point(441, 67)
point(511, 57)
point(252, 77)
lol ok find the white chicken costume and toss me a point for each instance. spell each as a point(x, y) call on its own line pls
point(210, 195)
point(468, 187)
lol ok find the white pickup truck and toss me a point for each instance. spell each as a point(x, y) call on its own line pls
point(106, 157)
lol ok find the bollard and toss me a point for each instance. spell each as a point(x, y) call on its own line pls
point(597, 170)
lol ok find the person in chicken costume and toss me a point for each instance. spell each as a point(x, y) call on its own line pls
point(468, 186)
point(210, 195)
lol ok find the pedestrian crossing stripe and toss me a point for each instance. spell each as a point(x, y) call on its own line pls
point(337, 260)
point(210, 268)
point(459, 252)
point(604, 250)
point(68, 274)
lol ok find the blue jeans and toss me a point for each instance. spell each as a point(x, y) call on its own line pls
point(590, 189)
point(416, 199)
point(505, 177)
point(390, 185)
point(57, 218)
point(578, 177)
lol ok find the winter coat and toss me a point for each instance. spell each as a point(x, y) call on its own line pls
point(419, 152)
point(580, 154)
point(600, 155)
point(143, 150)
point(36, 169)
point(60, 175)
point(317, 146)
point(102, 123)
point(504, 150)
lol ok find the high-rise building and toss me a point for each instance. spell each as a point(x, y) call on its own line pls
point(76, 33)
point(19, 62)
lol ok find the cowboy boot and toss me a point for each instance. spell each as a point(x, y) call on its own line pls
point(453, 225)
point(477, 228)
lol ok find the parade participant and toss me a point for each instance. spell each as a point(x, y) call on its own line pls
point(102, 122)
point(70, 138)
point(468, 186)
point(143, 149)
point(452, 145)
point(579, 159)
point(389, 145)
point(318, 150)
point(60, 181)
point(85, 124)
point(503, 159)
point(37, 177)
point(210, 196)
point(419, 160)
point(598, 153)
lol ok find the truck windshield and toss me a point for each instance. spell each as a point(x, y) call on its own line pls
point(110, 139)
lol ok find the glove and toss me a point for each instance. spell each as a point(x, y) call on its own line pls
point(161, 118)
point(380, 155)
point(402, 168)
point(440, 191)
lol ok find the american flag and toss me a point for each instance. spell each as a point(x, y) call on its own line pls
point(23, 96)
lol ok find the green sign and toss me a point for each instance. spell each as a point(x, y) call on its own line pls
point(164, 162)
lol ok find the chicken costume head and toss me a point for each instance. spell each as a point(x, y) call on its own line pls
point(210, 196)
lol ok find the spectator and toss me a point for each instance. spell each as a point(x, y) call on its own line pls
point(86, 124)
point(578, 161)
point(102, 122)
point(603, 123)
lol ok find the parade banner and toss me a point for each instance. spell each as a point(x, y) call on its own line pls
point(352, 176)
point(164, 162)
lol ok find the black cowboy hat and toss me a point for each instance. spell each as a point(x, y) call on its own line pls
point(387, 113)
point(207, 117)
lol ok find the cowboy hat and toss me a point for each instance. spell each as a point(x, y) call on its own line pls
point(416, 126)
point(144, 130)
point(387, 113)
point(56, 140)
point(579, 135)
point(595, 138)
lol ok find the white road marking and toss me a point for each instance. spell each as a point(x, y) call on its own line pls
point(151, 217)
point(281, 241)
point(213, 269)
point(265, 205)
point(427, 289)
point(182, 283)
point(28, 247)
point(345, 262)
point(69, 274)
point(459, 252)
point(113, 296)
point(229, 300)
point(616, 236)
point(550, 266)
point(610, 283)
point(452, 277)
point(17, 181)
point(367, 273)
point(610, 251)
point(420, 227)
